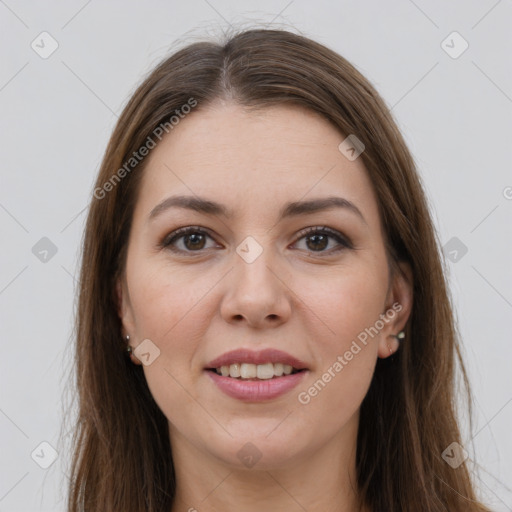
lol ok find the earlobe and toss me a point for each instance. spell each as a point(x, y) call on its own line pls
point(399, 305)
point(129, 350)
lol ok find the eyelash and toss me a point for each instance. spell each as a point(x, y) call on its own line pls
point(182, 232)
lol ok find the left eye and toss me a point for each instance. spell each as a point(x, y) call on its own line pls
point(317, 238)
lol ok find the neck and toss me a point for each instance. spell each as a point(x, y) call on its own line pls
point(323, 480)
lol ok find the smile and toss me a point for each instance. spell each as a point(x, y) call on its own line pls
point(255, 371)
point(256, 376)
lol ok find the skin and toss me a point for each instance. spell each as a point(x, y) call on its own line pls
point(298, 296)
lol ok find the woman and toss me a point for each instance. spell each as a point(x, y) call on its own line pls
point(263, 319)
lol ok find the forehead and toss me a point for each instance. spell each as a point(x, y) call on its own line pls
point(254, 160)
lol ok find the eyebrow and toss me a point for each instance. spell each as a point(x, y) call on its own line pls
point(292, 209)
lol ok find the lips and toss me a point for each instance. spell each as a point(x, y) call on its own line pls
point(256, 376)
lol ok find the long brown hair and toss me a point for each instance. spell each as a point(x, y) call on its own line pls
point(122, 457)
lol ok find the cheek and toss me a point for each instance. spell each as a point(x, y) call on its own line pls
point(335, 395)
point(351, 304)
point(169, 310)
point(348, 301)
point(172, 309)
point(345, 353)
point(164, 299)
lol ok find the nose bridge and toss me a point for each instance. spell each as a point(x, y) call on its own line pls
point(256, 291)
point(255, 263)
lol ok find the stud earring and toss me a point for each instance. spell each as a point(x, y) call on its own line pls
point(128, 348)
point(399, 337)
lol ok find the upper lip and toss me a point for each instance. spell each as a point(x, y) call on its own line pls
point(269, 355)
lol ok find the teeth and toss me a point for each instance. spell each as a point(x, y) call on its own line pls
point(248, 371)
point(265, 371)
point(234, 370)
point(251, 371)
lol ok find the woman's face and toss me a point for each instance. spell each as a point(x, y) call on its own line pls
point(252, 279)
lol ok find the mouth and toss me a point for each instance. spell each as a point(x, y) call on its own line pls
point(255, 372)
point(256, 376)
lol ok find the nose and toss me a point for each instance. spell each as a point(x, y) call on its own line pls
point(257, 293)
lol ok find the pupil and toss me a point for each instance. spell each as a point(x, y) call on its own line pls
point(319, 236)
point(191, 237)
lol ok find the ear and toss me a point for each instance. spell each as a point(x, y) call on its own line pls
point(398, 308)
point(125, 312)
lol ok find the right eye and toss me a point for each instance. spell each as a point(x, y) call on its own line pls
point(193, 238)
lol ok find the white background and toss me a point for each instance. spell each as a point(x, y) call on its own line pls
point(56, 117)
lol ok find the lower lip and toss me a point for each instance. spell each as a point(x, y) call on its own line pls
point(256, 390)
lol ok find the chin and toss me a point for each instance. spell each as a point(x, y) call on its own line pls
point(255, 449)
